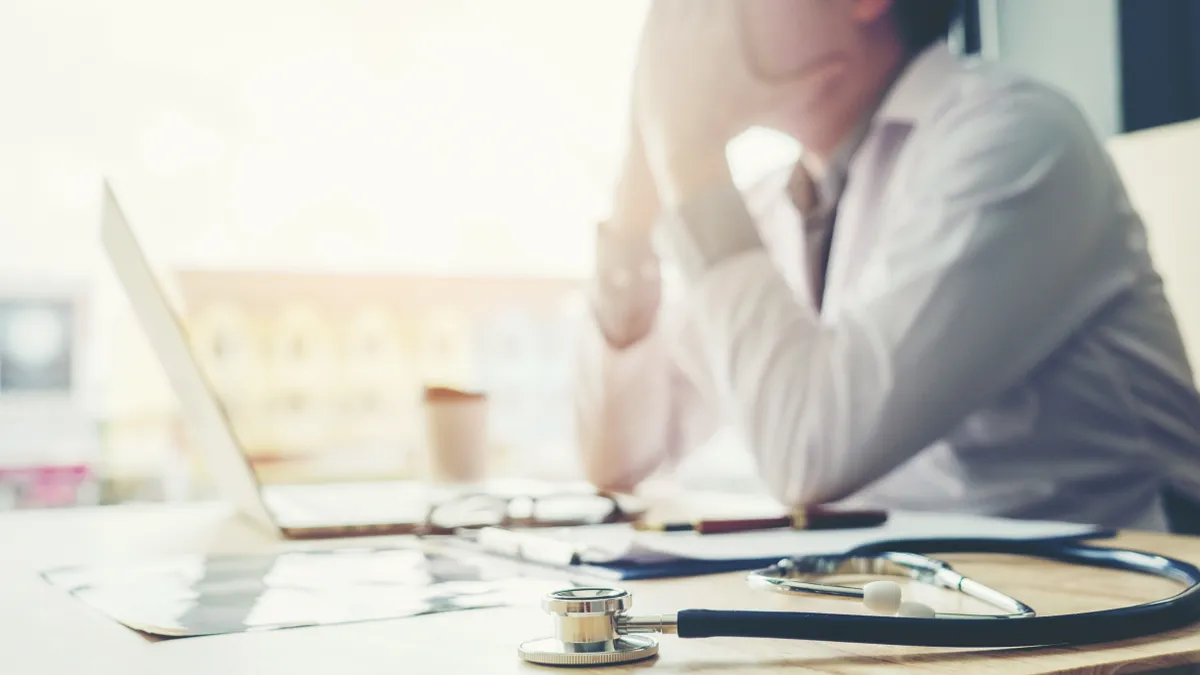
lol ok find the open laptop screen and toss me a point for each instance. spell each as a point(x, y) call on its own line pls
point(202, 411)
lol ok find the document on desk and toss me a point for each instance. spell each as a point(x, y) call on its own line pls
point(189, 596)
point(899, 526)
point(602, 544)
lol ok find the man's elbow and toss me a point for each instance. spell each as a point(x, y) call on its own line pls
point(793, 496)
point(609, 482)
point(800, 484)
point(605, 466)
point(603, 472)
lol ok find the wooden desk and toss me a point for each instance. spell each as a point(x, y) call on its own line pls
point(45, 632)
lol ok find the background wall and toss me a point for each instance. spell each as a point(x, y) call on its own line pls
point(1073, 44)
point(1160, 62)
point(409, 138)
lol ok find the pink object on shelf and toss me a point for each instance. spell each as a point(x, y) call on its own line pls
point(43, 486)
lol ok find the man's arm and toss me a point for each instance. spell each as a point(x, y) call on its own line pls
point(968, 293)
point(633, 408)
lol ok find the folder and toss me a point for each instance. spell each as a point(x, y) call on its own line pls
point(619, 552)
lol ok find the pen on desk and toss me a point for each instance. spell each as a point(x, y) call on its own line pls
point(812, 519)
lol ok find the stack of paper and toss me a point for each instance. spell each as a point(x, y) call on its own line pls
point(622, 545)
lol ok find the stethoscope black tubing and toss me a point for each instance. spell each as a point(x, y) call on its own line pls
point(1073, 629)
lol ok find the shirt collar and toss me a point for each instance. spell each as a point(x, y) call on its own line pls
point(830, 187)
point(911, 95)
point(905, 100)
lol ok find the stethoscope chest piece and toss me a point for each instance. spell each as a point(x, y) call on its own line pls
point(553, 652)
point(586, 631)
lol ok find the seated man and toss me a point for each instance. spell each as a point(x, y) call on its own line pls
point(946, 304)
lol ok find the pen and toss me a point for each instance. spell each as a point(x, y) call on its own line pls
point(810, 519)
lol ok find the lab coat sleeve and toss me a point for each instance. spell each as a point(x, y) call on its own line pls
point(634, 410)
point(963, 298)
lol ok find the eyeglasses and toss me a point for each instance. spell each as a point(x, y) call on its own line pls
point(564, 509)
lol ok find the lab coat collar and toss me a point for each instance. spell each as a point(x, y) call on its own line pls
point(905, 100)
point(913, 93)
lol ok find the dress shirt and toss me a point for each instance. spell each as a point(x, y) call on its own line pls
point(994, 338)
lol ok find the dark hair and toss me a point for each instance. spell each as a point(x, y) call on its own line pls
point(923, 22)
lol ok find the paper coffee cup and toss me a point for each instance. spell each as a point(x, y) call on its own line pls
point(456, 430)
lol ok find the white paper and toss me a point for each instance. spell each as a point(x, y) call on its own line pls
point(610, 541)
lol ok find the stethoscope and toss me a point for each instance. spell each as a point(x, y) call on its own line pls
point(592, 626)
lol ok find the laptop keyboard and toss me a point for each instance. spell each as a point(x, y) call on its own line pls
point(354, 503)
point(387, 502)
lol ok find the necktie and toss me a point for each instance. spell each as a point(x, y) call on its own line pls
point(817, 199)
point(818, 204)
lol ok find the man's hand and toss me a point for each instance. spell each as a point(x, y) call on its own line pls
point(693, 94)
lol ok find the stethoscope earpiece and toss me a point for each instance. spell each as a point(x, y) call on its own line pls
point(886, 597)
point(882, 596)
point(916, 610)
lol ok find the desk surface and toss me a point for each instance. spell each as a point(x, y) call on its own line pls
point(45, 632)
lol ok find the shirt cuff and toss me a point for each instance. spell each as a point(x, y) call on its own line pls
point(708, 230)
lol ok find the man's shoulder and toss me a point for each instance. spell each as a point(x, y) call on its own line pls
point(983, 121)
point(982, 91)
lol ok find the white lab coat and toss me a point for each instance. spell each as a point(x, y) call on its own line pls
point(994, 338)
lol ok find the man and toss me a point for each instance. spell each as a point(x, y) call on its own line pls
point(947, 304)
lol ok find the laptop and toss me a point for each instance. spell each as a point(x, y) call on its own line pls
point(290, 511)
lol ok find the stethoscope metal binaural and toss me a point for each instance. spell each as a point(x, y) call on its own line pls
point(592, 626)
